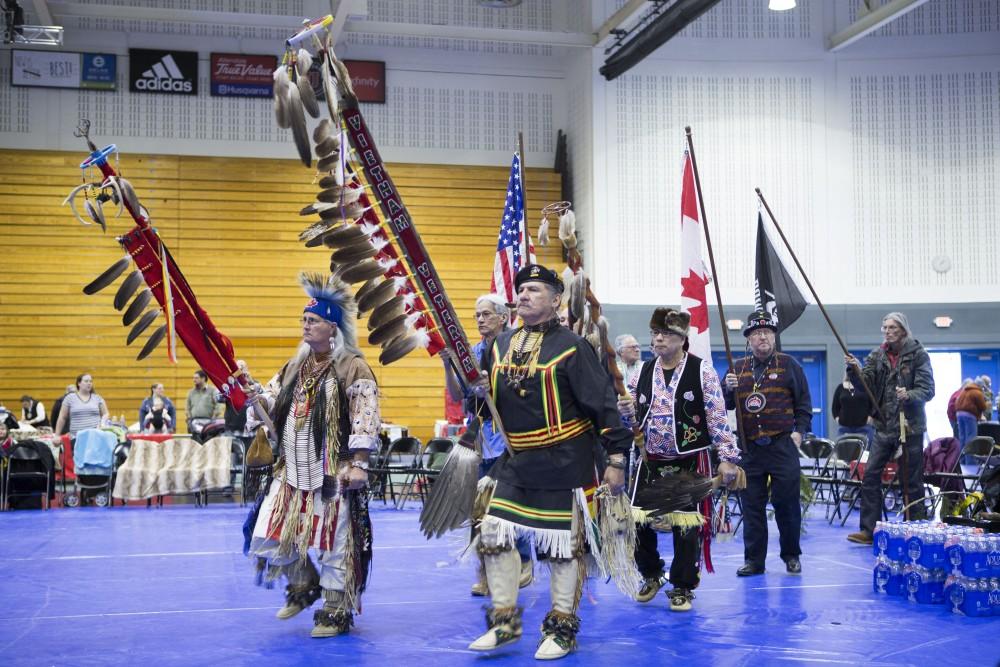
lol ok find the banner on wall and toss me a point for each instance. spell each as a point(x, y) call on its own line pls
point(237, 75)
point(61, 69)
point(156, 71)
point(367, 79)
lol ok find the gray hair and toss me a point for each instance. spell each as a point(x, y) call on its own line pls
point(499, 305)
point(620, 341)
point(900, 319)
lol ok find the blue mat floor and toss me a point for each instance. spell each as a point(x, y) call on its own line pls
point(164, 587)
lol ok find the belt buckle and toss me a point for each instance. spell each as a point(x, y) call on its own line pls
point(763, 440)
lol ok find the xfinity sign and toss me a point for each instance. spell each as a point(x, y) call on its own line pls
point(170, 72)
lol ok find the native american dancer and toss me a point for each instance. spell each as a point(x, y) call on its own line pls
point(681, 411)
point(324, 404)
point(555, 400)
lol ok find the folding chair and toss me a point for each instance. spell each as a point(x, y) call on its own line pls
point(426, 466)
point(27, 469)
point(844, 472)
point(983, 449)
point(400, 459)
point(814, 450)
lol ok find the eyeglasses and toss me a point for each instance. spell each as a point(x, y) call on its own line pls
point(630, 347)
point(309, 321)
point(484, 314)
point(891, 327)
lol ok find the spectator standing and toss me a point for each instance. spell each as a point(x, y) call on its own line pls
point(970, 406)
point(82, 409)
point(57, 405)
point(852, 409)
point(200, 400)
point(629, 358)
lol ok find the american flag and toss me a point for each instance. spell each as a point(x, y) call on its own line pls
point(514, 246)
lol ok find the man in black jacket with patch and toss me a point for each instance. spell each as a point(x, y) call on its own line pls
point(774, 399)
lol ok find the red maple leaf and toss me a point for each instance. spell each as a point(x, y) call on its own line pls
point(693, 287)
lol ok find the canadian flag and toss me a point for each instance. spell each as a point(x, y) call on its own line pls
point(694, 276)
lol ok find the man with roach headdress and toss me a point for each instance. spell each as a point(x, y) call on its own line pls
point(555, 401)
point(324, 405)
point(679, 406)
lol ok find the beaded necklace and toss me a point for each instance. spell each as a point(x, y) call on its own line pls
point(309, 373)
point(521, 360)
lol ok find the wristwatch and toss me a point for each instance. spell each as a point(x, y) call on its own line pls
point(360, 464)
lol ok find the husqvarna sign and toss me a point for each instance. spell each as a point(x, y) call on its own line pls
point(170, 72)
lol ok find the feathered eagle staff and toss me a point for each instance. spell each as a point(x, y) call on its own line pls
point(402, 291)
point(155, 276)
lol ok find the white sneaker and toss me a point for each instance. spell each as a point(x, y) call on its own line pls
point(549, 649)
point(527, 574)
point(494, 638)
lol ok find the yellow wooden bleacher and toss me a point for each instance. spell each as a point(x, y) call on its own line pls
point(232, 224)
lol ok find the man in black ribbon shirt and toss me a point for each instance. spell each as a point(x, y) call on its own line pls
point(556, 402)
point(774, 399)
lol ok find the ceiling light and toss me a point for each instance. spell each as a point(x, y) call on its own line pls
point(942, 321)
point(780, 5)
point(734, 325)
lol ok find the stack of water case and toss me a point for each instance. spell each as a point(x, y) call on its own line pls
point(933, 563)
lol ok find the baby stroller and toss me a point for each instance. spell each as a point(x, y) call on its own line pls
point(94, 464)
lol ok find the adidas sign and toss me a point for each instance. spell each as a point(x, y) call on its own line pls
point(164, 72)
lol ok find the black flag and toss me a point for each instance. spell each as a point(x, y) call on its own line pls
point(774, 289)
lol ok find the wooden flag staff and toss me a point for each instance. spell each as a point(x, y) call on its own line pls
point(802, 272)
point(715, 277)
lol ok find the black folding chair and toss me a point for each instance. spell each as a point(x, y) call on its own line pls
point(816, 451)
point(399, 458)
point(845, 476)
point(27, 474)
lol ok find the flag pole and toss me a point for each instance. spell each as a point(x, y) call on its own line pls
point(802, 272)
point(715, 277)
point(524, 193)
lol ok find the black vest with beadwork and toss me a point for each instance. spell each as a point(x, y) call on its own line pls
point(690, 422)
point(774, 382)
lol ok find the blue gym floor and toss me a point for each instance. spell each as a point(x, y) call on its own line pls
point(170, 586)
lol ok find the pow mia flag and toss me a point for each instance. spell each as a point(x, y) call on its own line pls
point(774, 289)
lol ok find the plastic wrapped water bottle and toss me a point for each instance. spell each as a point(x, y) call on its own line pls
point(933, 555)
point(954, 593)
point(955, 551)
point(914, 543)
point(934, 587)
point(979, 562)
point(897, 580)
point(897, 543)
point(914, 578)
point(977, 598)
point(993, 558)
point(881, 575)
point(995, 596)
point(880, 539)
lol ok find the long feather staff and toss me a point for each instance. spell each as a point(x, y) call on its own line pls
point(210, 348)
